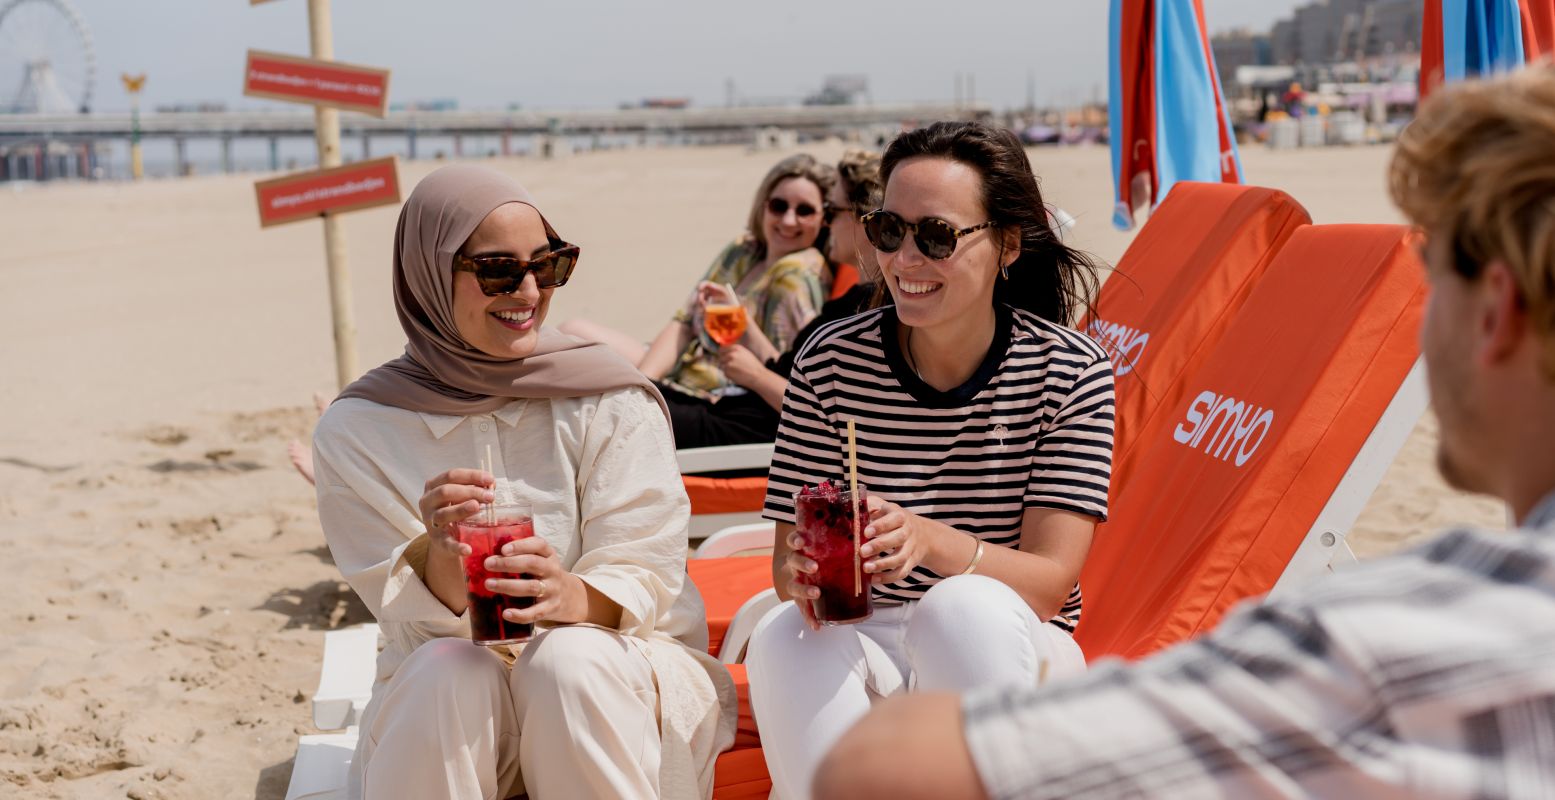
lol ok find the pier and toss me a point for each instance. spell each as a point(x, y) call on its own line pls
point(54, 146)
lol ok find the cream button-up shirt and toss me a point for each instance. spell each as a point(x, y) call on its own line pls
point(601, 476)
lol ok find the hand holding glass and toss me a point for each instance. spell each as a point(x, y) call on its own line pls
point(486, 533)
point(830, 527)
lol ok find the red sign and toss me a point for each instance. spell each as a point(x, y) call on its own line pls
point(322, 83)
point(305, 195)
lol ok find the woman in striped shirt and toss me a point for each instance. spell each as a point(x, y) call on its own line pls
point(984, 439)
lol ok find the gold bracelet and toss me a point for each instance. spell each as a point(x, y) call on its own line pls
point(976, 557)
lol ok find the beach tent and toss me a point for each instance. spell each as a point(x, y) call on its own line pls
point(1168, 116)
point(1465, 38)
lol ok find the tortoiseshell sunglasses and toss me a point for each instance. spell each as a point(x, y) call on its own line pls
point(936, 238)
point(499, 275)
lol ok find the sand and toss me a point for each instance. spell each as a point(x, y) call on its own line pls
point(168, 586)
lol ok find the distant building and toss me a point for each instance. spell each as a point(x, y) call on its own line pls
point(1331, 31)
point(432, 104)
point(1393, 27)
point(1239, 48)
point(674, 103)
point(841, 90)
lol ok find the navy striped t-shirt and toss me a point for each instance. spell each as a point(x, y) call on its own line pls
point(1032, 428)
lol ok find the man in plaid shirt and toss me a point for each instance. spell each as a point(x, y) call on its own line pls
point(1426, 674)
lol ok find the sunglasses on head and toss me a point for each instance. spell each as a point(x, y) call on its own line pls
point(499, 275)
point(778, 206)
point(936, 238)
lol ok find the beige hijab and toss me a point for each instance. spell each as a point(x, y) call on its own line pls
point(440, 373)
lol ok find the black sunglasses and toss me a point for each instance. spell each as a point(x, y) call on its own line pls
point(936, 238)
point(831, 211)
point(499, 275)
point(778, 206)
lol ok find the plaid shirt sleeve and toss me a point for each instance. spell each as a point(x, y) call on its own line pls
point(1430, 674)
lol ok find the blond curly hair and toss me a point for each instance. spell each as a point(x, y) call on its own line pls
point(1476, 170)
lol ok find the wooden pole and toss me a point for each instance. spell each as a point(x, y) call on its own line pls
point(137, 164)
point(327, 131)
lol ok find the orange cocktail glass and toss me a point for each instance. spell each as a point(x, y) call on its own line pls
point(725, 323)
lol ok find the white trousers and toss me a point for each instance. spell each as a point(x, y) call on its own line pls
point(576, 716)
point(808, 687)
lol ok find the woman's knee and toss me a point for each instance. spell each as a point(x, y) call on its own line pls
point(568, 660)
point(449, 676)
point(784, 648)
point(455, 661)
point(782, 624)
point(784, 633)
point(962, 595)
point(963, 601)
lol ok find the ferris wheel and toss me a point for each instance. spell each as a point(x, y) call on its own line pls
point(47, 64)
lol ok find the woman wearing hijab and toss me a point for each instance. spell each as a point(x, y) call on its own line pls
point(616, 695)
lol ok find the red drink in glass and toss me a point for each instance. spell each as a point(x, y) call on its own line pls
point(824, 517)
point(486, 533)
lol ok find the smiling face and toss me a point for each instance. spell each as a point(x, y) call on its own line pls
point(790, 231)
point(932, 293)
point(505, 326)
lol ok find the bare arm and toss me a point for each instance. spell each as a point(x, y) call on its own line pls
point(746, 369)
point(445, 578)
point(1053, 547)
point(1043, 570)
point(666, 347)
point(757, 342)
point(584, 603)
point(781, 574)
point(450, 497)
point(771, 387)
point(910, 746)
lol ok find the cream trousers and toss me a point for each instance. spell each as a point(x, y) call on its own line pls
point(808, 687)
point(576, 716)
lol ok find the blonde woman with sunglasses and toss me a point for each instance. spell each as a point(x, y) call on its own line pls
point(753, 416)
point(984, 428)
point(775, 268)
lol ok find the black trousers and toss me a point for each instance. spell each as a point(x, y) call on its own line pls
point(741, 419)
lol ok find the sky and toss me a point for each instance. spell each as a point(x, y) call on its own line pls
point(600, 53)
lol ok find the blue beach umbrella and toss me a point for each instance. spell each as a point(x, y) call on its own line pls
point(1166, 111)
point(1469, 38)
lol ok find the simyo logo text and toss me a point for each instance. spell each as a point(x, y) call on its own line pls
point(1124, 345)
point(1224, 427)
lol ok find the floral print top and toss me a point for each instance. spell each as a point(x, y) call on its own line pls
point(780, 300)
